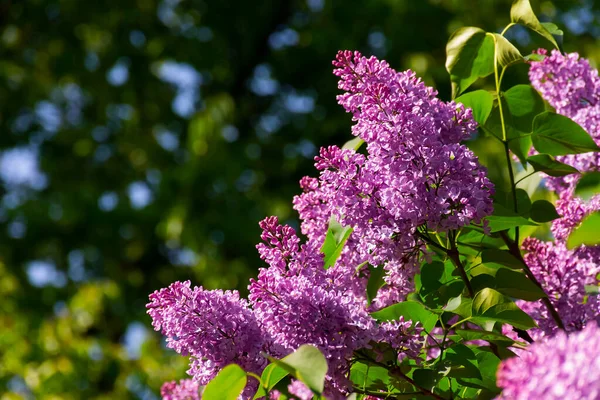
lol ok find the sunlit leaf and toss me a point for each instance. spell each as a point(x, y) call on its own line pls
point(522, 13)
point(306, 364)
point(558, 135)
point(506, 53)
point(480, 101)
point(586, 233)
point(547, 164)
point(469, 56)
point(227, 385)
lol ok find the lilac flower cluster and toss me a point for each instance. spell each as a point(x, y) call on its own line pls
point(300, 390)
point(564, 273)
point(563, 364)
point(566, 366)
point(186, 389)
point(572, 211)
point(215, 328)
point(298, 302)
point(294, 301)
point(572, 87)
point(414, 176)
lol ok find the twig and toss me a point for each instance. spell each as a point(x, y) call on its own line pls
point(454, 255)
point(514, 250)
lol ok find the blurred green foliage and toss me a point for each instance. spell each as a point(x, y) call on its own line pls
point(143, 140)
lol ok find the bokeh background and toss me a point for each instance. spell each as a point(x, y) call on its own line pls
point(142, 141)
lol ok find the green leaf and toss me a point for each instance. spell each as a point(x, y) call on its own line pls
point(375, 282)
point(547, 164)
point(307, 364)
point(520, 105)
point(543, 211)
point(480, 101)
point(271, 376)
point(592, 289)
point(488, 365)
point(520, 146)
point(227, 385)
point(461, 306)
point(491, 306)
point(482, 281)
point(411, 311)
point(586, 233)
point(486, 299)
point(506, 313)
point(502, 257)
point(523, 103)
point(464, 357)
point(369, 377)
point(558, 135)
point(503, 219)
point(332, 247)
point(523, 202)
point(588, 185)
point(432, 276)
point(427, 378)
point(353, 144)
point(534, 57)
point(506, 53)
point(553, 29)
point(472, 334)
point(485, 269)
point(469, 56)
point(506, 200)
point(522, 13)
point(516, 284)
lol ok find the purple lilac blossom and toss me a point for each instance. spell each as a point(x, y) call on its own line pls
point(186, 389)
point(572, 211)
point(415, 176)
point(415, 173)
point(572, 87)
point(299, 389)
point(564, 273)
point(566, 366)
point(299, 302)
point(214, 327)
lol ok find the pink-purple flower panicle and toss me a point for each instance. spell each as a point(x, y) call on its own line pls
point(414, 177)
point(563, 273)
point(186, 389)
point(214, 327)
point(303, 303)
point(572, 87)
point(566, 366)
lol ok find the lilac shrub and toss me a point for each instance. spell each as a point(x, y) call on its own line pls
point(412, 277)
point(415, 176)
